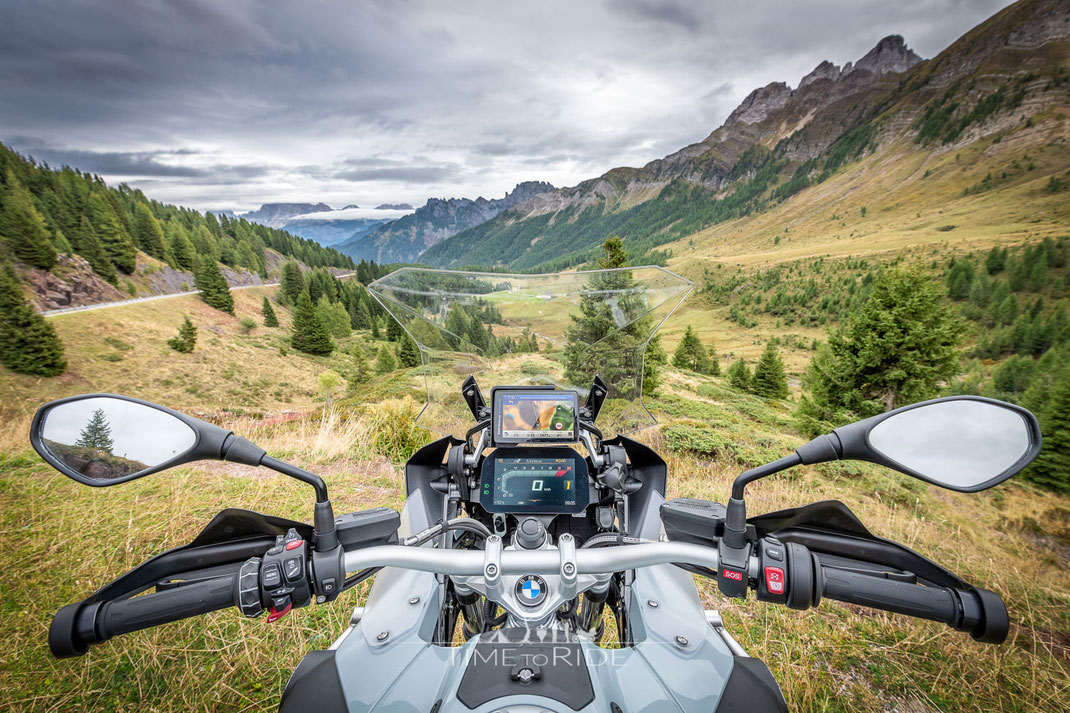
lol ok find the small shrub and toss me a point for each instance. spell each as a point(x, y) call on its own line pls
point(246, 324)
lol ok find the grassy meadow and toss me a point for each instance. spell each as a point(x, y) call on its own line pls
point(63, 541)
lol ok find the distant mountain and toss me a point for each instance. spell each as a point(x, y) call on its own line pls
point(276, 215)
point(405, 239)
point(330, 227)
point(393, 206)
point(781, 140)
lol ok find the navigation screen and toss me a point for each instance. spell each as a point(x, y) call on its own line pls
point(533, 416)
point(556, 483)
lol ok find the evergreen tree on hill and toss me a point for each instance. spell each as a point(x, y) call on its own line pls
point(22, 229)
point(689, 353)
point(28, 343)
point(148, 234)
point(182, 251)
point(117, 245)
point(384, 361)
point(309, 333)
point(595, 344)
point(291, 283)
point(739, 375)
point(213, 286)
point(769, 380)
point(96, 434)
point(359, 317)
point(186, 339)
point(1052, 466)
point(270, 319)
point(361, 369)
point(896, 349)
point(409, 354)
point(88, 246)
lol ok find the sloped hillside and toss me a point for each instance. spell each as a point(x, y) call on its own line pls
point(1010, 71)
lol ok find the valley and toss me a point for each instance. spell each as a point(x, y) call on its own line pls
point(783, 218)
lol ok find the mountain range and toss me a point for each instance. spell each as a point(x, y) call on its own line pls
point(781, 140)
point(404, 239)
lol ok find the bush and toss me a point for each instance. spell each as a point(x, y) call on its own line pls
point(247, 324)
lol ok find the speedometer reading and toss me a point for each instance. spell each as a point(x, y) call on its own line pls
point(536, 480)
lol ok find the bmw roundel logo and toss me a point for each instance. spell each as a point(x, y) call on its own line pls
point(531, 590)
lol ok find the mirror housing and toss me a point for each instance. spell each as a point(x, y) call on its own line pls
point(210, 442)
point(855, 441)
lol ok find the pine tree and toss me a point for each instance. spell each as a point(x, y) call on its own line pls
point(1052, 466)
point(335, 316)
point(394, 332)
point(690, 354)
point(375, 328)
point(739, 375)
point(359, 317)
point(361, 369)
point(22, 229)
point(182, 251)
point(769, 380)
point(309, 333)
point(148, 234)
point(408, 355)
point(28, 343)
point(594, 343)
point(96, 434)
point(996, 260)
point(899, 347)
point(292, 283)
point(117, 245)
point(213, 286)
point(88, 246)
point(384, 361)
point(270, 320)
point(713, 363)
point(186, 339)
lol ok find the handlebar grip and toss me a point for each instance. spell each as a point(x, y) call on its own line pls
point(980, 612)
point(933, 603)
point(77, 626)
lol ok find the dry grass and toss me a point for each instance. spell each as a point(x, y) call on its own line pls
point(64, 541)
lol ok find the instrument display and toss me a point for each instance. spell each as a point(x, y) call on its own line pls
point(534, 480)
point(534, 416)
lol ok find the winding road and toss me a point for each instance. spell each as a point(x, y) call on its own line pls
point(136, 300)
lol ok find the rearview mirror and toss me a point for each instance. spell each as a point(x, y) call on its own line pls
point(964, 443)
point(103, 439)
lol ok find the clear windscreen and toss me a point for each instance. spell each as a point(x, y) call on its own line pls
point(516, 330)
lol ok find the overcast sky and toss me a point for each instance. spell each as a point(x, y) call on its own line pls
point(226, 104)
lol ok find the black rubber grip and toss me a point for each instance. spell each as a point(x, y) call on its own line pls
point(77, 626)
point(933, 603)
point(126, 615)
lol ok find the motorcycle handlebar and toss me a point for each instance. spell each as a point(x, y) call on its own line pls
point(471, 563)
point(78, 626)
point(977, 611)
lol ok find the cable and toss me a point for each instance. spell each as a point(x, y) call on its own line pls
point(357, 578)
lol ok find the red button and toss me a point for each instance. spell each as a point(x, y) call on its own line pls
point(294, 545)
point(274, 616)
point(774, 580)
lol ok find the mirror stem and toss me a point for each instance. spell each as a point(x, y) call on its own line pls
point(326, 538)
point(735, 522)
point(294, 472)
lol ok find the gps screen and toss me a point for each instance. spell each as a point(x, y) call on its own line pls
point(534, 416)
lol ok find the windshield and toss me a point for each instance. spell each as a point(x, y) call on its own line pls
point(557, 329)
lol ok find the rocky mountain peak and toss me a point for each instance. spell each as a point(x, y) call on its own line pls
point(825, 70)
point(890, 55)
point(761, 103)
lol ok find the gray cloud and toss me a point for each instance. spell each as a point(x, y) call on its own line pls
point(229, 104)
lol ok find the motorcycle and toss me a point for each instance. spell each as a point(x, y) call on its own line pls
point(523, 573)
